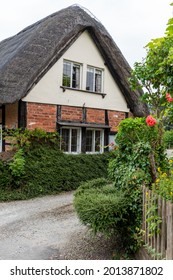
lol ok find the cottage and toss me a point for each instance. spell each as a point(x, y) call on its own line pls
point(66, 73)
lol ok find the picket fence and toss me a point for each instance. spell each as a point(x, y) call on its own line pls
point(161, 241)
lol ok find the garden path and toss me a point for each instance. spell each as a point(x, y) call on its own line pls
point(48, 228)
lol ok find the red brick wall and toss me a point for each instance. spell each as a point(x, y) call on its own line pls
point(95, 116)
point(44, 116)
point(41, 116)
point(114, 119)
point(69, 113)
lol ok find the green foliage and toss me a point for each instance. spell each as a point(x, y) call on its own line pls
point(110, 210)
point(43, 169)
point(28, 138)
point(168, 139)
point(5, 176)
point(17, 165)
point(152, 252)
point(137, 141)
point(90, 185)
point(130, 169)
point(163, 186)
point(153, 219)
point(135, 130)
point(51, 170)
point(12, 172)
point(154, 75)
point(101, 206)
point(117, 207)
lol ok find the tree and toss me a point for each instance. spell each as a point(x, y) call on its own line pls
point(154, 75)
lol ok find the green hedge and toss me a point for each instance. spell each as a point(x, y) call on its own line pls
point(168, 139)
point(49, 171)
point(101, 206)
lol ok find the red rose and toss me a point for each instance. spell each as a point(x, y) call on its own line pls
point(168, 97)
point(150, 121)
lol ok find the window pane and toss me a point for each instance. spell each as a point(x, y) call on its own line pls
point(97, 141)
point(65, 139)
point(66, 74)
point(90, 79)
point(74, 140)
point(76, 76)
point(98, 80)
point(89, 141)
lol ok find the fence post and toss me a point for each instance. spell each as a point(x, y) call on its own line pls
point(163, 229)
point(149, 223)
point(158, 245)
point(169, 251)
point(144, 224)
point(162, 242)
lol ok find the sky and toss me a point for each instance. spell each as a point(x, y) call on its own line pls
point(131, 23)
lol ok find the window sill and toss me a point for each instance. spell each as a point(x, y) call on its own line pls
point(82, 90)
point(71, 153)
point(94, 153)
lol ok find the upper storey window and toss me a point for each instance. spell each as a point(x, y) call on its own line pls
point(71, 74)
point(94, 80)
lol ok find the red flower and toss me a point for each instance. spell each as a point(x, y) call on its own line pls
point(168, 97)
point(150, 121)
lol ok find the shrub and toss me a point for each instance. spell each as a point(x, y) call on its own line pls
point(168, 139)
point(17, 165)
point(105, 208)
point(100, 206)
point(163, 186)
point(24, 138)
point(5, 176)
point(135, 130)
point(118, 207)
point(50, 170)
point(126, 168)
point(43, 169)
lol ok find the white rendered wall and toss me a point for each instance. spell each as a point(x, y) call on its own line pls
point(83, 51)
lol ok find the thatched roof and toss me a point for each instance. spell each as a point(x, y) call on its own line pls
point(27, 56)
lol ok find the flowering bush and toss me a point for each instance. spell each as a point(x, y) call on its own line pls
point(164, 183)
point(168, 97)
point(150, 121)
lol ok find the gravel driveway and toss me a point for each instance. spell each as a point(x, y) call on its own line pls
point(48, 228)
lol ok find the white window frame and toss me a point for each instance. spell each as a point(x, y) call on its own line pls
point(79, 132)
point(94, 69)
point(93, 141)
point(72, 63)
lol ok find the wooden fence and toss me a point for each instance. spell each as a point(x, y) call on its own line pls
point(158, 225)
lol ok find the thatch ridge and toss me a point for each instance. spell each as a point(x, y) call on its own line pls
point(27, 56)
